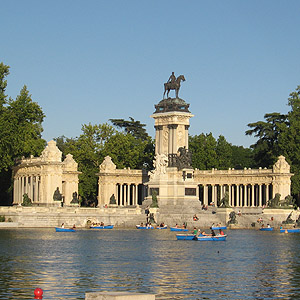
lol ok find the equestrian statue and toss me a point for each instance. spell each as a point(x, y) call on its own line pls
point(173, 84)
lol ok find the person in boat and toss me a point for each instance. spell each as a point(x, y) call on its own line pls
point(176, 226)
point(183, 226)
point(162, 224)
point(221, 232)
point(101, 224)
point(198, 233)
point(262, 225)
point(195, 231)
point(142, 224)
point(63, 225)
point(268, 225)
point(205, 234)
point(213, 232)
point(74, 226)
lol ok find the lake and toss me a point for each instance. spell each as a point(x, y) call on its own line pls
point(250, 265)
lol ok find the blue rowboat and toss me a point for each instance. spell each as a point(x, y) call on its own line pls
point(164, 227)
point(144, 227)
point(211, 238)
point(185, 237)
point(266, 228)
point(291, 230)
point(103, 227)
point(178, 229)
point(219, 227)
point(59, 229)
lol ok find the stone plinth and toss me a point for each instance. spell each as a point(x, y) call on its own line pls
point(118, 296)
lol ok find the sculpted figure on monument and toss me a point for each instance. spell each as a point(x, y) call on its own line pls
point(57, 196)
point(160, 163)
point(184, 158)
point(173, 84)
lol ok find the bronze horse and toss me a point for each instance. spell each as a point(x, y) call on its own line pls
point(173, 86)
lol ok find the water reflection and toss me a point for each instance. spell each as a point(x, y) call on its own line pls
point(249, 265)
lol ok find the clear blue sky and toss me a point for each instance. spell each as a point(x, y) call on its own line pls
point(89, 61)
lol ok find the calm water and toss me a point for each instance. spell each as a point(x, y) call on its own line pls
point(249, 265)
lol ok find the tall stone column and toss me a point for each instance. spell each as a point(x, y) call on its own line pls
point(238, 200)
point(252, 195)
point(128, 194)
point(205, 194)
point(170, 142)
point(245, 195)
point(186, 127)
point(260, 195)
point(121, 194)
point(213, 194)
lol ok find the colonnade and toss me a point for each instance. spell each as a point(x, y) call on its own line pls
point(129, 194)
point(29, 185)
point(240, 195)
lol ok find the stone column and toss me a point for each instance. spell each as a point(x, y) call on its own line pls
point(260, 195)
point(170, 142)
point(157, 140)
point(252, 195)
point(174, 146)
point(136, 194)
point(213, 194)
point(128, 194)
point(186, 127)
point(205, 194)
point(221, 191)
point(238, 200)
point(245, 195)
point(121, 194)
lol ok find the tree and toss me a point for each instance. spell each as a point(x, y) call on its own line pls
point(266, 149)
point(242, 157)
point(20, 132)
point(224, 153)
point(289, 140)
point(279, 135)
point(87, 150)
point(127, 151)
point(135, 128)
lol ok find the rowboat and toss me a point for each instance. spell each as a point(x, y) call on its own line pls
point(178, 229)
point(185, 237)
point(59, 229)
point(102, 227)
point(266, 228)
point(291, 230)
point(162, 227)
point(144, 227)
point(219, 227)
point(211, 238)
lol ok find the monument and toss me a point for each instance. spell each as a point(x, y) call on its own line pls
point(173, 177)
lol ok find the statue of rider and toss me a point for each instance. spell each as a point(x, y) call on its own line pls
point(172, 79)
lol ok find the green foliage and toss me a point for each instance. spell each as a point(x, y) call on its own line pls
point(224, 153)
point(98, 141)
point(279, 135)
point(208, 153)
point(128, 152)
point(2, 218)
point(26, 200)
point(242, 157)
point(267, 148)
point(135, 128)
point(20, 132)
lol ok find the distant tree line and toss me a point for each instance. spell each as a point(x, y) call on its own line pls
point(129, 145)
